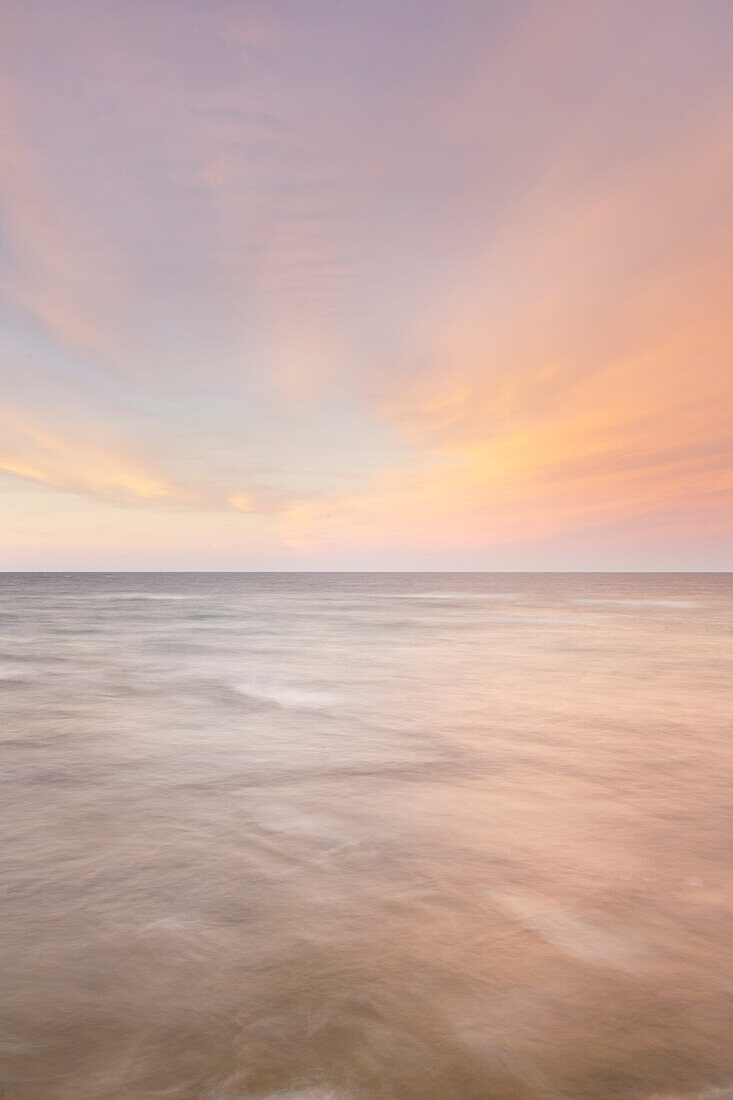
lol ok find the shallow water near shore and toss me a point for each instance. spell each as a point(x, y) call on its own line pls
point(341, 836)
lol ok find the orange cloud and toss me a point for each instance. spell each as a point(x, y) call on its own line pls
point(80, 463)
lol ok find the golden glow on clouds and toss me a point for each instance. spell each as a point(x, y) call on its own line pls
point(242, 502)
point(89, 467)
point(78, 467)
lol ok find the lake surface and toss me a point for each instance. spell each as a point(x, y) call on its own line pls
point(410, 836)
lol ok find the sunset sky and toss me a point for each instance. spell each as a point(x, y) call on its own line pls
point(355, 284)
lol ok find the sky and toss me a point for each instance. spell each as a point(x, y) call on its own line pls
point(334, 284)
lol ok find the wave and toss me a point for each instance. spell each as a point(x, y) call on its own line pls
point(144, 596)
point(639, 603)
point(12, 673)
point(552, 620)
point(284, 695)
point(572, 934)
point(307, 1094)
point(448, 595)
point(715, 1092)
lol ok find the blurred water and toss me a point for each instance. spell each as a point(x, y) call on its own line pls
point(366, 835)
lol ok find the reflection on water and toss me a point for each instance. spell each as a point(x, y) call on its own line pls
point(291, 836)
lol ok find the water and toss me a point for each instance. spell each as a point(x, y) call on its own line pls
point(366, 835)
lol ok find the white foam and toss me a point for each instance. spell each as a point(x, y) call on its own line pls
point(712, 1092)
point(307, 1094)
point(573, 935)
point(285, 695)
point(640, 603)
point(322, 1093)
point(449, 595)
point(10, 672)
point(552, 620)
point(144, 596)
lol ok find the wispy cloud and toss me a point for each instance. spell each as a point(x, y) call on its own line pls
point(82, 461)
point(394, 275)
